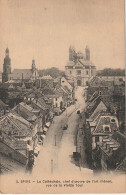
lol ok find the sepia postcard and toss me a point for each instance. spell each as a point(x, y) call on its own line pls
point(62, 96)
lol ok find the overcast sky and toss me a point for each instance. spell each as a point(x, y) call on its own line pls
point(44, 29)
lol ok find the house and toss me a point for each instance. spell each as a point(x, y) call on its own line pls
point(108, 155)
point(65, 83)
point(14, 149)
point(45, 109)
point(16, 126)
point(102, 126)
point(107, 149)
point(56, 98)
point(96, 105)
point(45, 81)
point(57, 102)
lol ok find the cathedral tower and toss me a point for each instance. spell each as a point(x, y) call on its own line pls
point(6, 67)
point(72, 54)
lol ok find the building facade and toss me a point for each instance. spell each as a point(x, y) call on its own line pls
point(79, 69)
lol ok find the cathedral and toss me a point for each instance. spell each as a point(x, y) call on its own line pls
point(79, 68)
point(17, 74)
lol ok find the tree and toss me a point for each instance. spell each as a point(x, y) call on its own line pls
point(111, 72)
point(53, 72)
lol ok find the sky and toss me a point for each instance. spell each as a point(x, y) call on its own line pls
point(44, 30)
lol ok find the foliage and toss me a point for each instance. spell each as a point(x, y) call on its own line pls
point(111, 72)
point(53, 72)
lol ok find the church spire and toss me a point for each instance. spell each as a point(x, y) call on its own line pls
point(33, 65)
point(6, 66)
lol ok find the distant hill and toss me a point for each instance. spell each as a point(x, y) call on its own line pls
point(53, 72)
point(111, 72)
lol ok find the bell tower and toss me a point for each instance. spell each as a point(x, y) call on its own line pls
point(6, 66)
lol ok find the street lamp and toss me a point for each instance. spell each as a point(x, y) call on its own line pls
point(55, 140)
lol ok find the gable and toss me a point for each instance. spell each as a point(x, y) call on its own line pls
point(106, 122)
point(100, 107)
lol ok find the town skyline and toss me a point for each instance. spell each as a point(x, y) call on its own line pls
point(46, 32)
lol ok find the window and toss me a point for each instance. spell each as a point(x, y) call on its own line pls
point(78, 72)
point(86, 72)
point(113, 120)
point(96, 139)
point(70, 72)
point(106, 129)
point(9, 133)
point(56, 99)
point(62, 81)
point(56, 104)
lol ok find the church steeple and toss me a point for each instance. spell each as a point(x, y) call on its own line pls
point(7, 51)
point(33, 65)
point(6, 66)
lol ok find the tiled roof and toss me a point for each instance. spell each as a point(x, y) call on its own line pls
point(95, 105)
point(18, 73)
point(26, 111)
point(14, 143)
point(16, 124)
point(97, 81)
point(109, 145)
point(122, 166)
point(110, 121)
point(41, 104)
point(48, 91)
point(67, 89)
point(98, 114)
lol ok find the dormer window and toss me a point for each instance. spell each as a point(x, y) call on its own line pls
point(106, 128)
point(113, 120)
point(99, 92)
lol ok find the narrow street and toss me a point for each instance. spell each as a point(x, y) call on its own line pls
point(56, 153)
